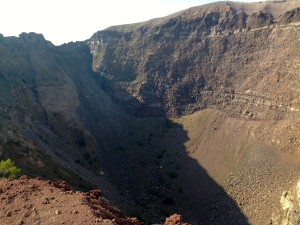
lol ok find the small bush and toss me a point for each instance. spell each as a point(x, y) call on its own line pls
point(8, 169)
point(81, 142)
point(173, 175)
point(159, 156)
point(168, 123)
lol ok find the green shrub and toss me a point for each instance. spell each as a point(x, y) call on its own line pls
point(8, 169)
point(173, 175)
point(168, 123)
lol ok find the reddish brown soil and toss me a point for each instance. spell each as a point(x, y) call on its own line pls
point(35, 201)
point(175, 220)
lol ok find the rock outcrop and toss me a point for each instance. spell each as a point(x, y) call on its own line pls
point(35, 201)
point(289, 213)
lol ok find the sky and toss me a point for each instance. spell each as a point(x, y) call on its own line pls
point(62, 21)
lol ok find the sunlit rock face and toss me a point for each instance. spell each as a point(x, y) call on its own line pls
point(230, 56)
point(289, 213)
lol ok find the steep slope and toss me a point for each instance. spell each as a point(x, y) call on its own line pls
point(51, 103)
point(239, 59)
point(195, 113)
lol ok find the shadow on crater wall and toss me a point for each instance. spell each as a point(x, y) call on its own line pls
point(203, 201)
point(158, 178)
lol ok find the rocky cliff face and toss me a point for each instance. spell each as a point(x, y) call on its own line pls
point(204, 57)
point(196, 113)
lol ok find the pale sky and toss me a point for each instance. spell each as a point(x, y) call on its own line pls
point(62, 21)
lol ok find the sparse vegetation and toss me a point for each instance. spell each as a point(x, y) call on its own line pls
point(81, 142)
point(8, 169)
point(173, 174)
point(168, 123)
point(159, 156)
